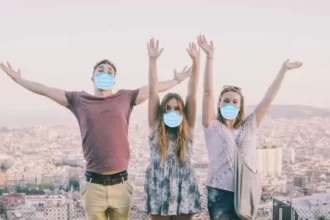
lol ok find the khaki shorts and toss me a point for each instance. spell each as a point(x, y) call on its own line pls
point(101, 202)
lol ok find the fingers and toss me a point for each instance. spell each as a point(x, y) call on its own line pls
point(151, 43)
point(9, 66)
point(189, 70)
point(204, 39)
point(184, 69)
point(157, 44)
point(4, 67)
point(192, 49)
point(200, 40)
point(297, 64)
point(161, 51)
point(154, 45)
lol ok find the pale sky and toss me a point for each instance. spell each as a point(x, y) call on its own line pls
point(58, 42)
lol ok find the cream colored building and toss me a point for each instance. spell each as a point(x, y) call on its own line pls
point(270, 160)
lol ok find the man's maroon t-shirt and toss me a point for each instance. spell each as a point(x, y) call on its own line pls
point(103, 123)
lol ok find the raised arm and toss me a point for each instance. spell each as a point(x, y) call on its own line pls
point(191, 100)
point(162, 85)
point(154, 52)
point(265, 103)
point(54, 94)
point(208, 113)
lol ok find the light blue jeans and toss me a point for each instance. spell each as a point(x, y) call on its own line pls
point(220, 204)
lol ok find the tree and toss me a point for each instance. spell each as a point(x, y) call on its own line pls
point(47, 185)
point(20, 189)
point(3, 190)
point(74, 185)
point(32, 186)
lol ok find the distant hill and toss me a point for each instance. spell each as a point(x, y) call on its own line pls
point(139, 115)
point(291, 111)
point(294, 111)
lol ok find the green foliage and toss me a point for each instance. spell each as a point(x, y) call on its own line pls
point(35, 189)
point(3, 190)
point(74, 185)
point(47, 185)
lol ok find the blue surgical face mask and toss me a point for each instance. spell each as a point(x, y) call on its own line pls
point(172, 119)
point(104, 80)
point(229, 111)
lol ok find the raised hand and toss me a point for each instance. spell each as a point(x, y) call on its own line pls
point(208, 48)
point(184, 74)
point(153, 49)
point(15, 75)
point(193, 51)
point(291, 65)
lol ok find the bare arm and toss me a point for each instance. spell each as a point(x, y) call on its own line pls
point(161, 87)
point(154, 52)
point(191, 99)
point(265, 103)
point(208, 113)
point(54, 94)
point(153, 103)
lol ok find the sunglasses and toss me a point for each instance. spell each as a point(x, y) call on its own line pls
point(232, 87)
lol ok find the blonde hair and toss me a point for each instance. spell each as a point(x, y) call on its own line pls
point(241, 115)
point(182, 136)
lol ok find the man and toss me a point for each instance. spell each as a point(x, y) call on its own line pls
point(103, 120)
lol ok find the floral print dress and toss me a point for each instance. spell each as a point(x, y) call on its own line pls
point(170, 188)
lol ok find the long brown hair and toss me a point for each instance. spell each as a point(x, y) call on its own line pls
point(182, 136)
point(241, 115)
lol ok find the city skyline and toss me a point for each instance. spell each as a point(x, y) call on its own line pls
point(297, 171)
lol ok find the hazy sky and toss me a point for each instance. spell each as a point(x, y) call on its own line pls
point(58, 42)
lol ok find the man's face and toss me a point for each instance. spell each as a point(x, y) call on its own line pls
point(104, 68)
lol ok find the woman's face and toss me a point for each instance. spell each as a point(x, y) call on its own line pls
point(230, 98)
point(173, 104)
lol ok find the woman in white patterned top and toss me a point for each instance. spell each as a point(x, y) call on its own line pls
point(227, 126)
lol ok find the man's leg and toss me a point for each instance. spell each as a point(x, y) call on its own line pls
point(120, 200)
point(183, 217)
point(94, 200)
point(159, 217)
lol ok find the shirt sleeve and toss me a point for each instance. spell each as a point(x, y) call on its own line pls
point(73, 100)
point(213, 129)
point(132, 96)
point(251, 122)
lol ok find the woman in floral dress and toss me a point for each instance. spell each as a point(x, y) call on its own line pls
point(171, 187)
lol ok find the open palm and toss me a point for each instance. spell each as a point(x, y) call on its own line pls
point(208, 48)
point(153, 49)
point(193, 51)
point(291, 65)
point(184, 74)
point(10, 71)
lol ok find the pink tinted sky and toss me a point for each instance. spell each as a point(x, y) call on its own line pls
point(58, 42)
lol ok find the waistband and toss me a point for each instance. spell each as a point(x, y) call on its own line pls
point(97, 176)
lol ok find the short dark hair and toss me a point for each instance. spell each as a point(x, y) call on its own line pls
point(105, 62)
